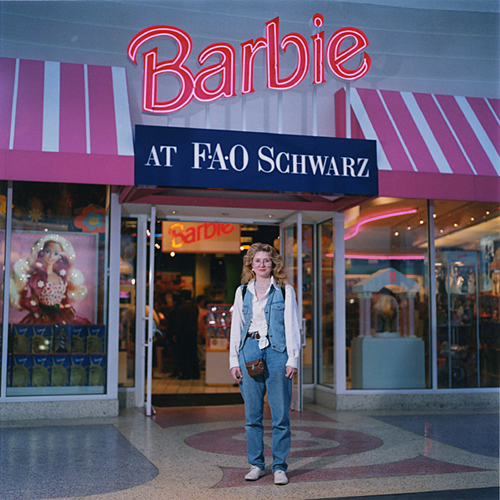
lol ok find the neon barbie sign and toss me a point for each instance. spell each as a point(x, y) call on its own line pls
point(198, 85)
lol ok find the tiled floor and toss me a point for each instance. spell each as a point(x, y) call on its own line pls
point(199, 453)
point(164, 383)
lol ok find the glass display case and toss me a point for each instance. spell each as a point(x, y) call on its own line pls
point(218, 335)
point(57, 320)
point(457, 319)
point(56, 359)
point(218, 327)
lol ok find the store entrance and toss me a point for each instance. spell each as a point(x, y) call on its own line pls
point(207, 280)
point(193, 294)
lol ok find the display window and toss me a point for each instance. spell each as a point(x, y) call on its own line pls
point(128, 266)
point(326, 358)
point(387, 295)
point(467, 240)
point(308, 273)
point(57, 318)
point(292, 263)
point(3, 206)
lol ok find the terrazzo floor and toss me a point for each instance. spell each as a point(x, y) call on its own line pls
point(199, 453)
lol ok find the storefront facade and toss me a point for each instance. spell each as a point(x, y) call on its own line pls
point(398, 269)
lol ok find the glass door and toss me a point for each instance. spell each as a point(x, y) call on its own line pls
point(136, 293)
point(149, 313)
point(291, 250)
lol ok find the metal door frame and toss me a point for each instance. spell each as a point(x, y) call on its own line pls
point(296, 220)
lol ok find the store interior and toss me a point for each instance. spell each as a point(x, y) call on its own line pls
point(384, 237)
point(204, 285)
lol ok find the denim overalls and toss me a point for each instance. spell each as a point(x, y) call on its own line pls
point(278, 387)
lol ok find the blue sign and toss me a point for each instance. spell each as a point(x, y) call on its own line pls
point(201, 158)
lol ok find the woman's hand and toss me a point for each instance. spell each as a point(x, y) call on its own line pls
point(290, 372)
point(236, 373)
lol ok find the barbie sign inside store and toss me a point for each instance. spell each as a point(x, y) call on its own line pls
point(336, 53)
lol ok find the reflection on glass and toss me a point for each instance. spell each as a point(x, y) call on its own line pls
point(290, 254)
point(307, 302)
point(3, 207)
point(387, 335)
point(467, 238)
point(128, 256)
point(325, 372)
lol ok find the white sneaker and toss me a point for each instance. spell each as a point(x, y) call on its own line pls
point(254, 473)
point(280, 477)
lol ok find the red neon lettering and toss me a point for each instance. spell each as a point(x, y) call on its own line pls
point(198, 86)
point(210, 230)
point(392, 276)
point(318, 50)
point(190, 235)
point(337, 58)
point(176, 230)
point(194, 234)
point(226, 68)
point(248, 51)
point(273, 62)
point(228, 228)
point(152, 69)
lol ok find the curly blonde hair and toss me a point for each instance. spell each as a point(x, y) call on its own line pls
point(278, 270)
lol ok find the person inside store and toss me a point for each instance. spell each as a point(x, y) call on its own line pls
point(201, 302)
point(186, 334)
point(265, 327)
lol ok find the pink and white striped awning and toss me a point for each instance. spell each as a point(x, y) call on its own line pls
point(64, 122)
point(428, 146)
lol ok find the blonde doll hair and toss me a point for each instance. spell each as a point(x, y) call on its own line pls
point(23, 268)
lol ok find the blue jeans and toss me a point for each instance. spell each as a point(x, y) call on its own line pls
point(279, 395)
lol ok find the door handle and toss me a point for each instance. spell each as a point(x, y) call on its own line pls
point(303, 332)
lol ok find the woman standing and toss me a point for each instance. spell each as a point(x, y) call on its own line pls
point(265, 325)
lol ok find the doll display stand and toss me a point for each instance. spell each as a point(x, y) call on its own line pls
point(386, 354)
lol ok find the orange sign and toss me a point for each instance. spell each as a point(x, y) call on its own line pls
point(200, 237)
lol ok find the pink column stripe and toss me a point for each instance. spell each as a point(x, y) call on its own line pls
point(78, 168)
point(495, 104)
point(466, 135)
point(443, 134)
point(388, 139)
point(412, 138)
point(7, 75)
point(102, 112)
point(72, 130)
point(29, 112)
point(487, 119)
